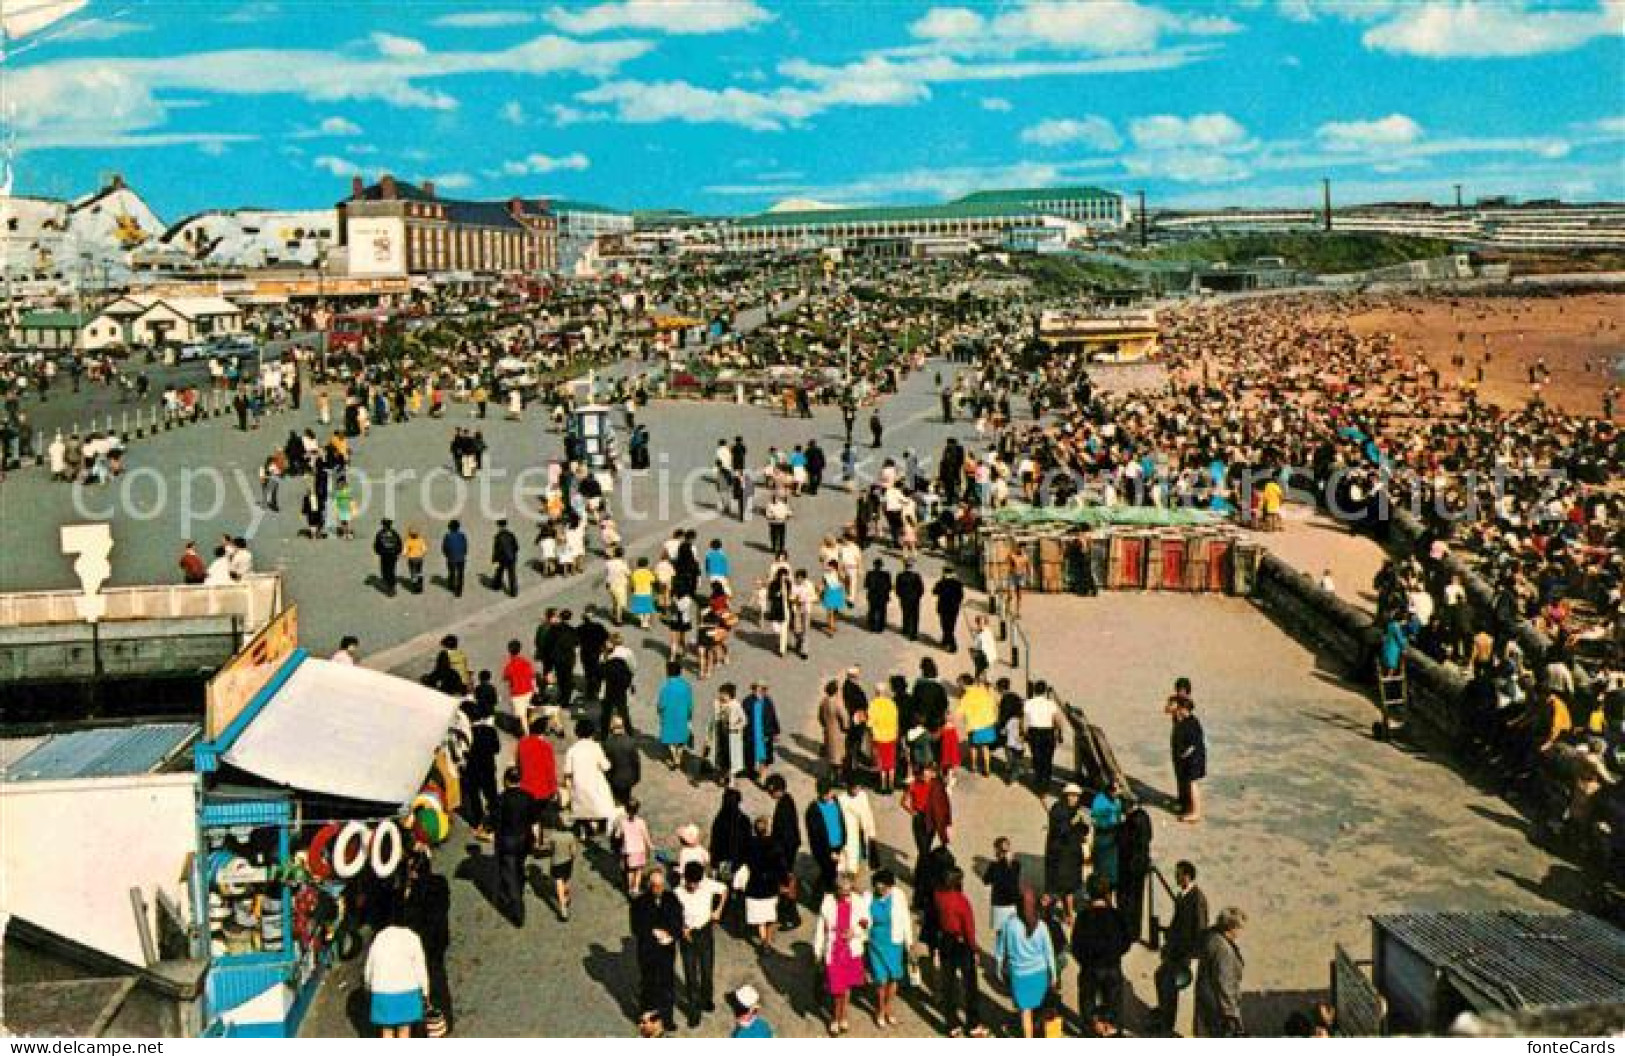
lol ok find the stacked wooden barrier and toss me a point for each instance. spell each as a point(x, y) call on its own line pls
point(1214, 559)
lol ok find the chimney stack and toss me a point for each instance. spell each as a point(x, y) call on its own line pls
point(386, 186)
point(357, 186)
point(428, 188)
point(116, 181)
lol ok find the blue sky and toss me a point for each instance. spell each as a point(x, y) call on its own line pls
point(732, 105)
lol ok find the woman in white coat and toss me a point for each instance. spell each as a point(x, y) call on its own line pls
point(839, 942)
point(586, 768)
point(858, 818)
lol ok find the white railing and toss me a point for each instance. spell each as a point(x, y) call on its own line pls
point(254, 600)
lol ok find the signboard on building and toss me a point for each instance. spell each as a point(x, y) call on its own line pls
point(247, 673)
point(377, 245)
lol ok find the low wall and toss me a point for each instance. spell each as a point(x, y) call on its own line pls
point(1331, 626)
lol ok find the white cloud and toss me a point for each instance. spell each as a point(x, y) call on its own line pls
point(661, 16)
point(1218, 132)
point(1346, 10)
point(948, 23)
point(399, 47)
point(875, 80)
point(1095, 132)
point(452, 181)
point(338, 126)
point(102, 29)
point(1393, 130)
point(483, 19)
point(513, 112)
point(543, 164)
point(336, 166)
point(996, 104)
point(564, 115)
point(92, 99)
point(1481, 29)
point(1101, 27)
point(1188, 166)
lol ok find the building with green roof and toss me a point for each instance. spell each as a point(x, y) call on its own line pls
point(986, 216)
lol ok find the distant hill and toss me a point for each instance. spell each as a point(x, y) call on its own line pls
point(1318, 252)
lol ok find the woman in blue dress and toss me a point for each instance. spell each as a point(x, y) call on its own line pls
point(891, 933)
point(833, 599)
point(1107, 814)
point(1025, 955)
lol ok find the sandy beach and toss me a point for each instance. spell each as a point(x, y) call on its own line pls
point(1578, 338)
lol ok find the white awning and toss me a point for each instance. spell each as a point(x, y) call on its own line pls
point(346, 731)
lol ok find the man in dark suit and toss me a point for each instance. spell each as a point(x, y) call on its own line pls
point(877, 588)
point(562, 649)
point(1180, 943)
point(816, 464)
point(454, 548)
point(387, 545)
point(910, 588)
point(950, 595)
point(592, 636)
point(505, 560)
point(515, 831)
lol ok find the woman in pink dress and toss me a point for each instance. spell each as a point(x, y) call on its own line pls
point(839, 942)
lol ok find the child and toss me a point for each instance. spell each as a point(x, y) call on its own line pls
point(550, 551)
point(415, 549)
point(633, 833)
point(643, 584)
point(561, 850)
point(1015, 749)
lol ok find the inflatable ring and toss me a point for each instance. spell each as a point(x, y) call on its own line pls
point(385, 862)
point(350, 850)
point(319, 855)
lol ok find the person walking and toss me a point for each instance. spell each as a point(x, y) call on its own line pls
point(1133, 864)
point(1024, 954)
point(397, 977)
point(454, 549)
point(1181, 942)
point(515, 835)
point(961, 995)
point(839, 942)
point(586, 768)
point(414, 550)
point(505, 560)
point(1219, 968)
point(910, 589)
point(625, 761)
point(656, 922)
point(765, 876)
point(1041, 723)
point(826, 834)
point(1064, 842)
point(891, 936)
point(703, 900)
point(675, 706)
point(877, 590)
point(387, 545)
point(1099, 941)
point(950, 595)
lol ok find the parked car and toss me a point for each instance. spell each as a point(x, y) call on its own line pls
point(194, 350)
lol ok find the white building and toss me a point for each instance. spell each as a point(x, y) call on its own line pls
point(581, 224)
point(79, 244)
point(255, 238)
point(151, 321)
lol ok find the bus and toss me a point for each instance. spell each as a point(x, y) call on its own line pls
point(360, 331)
